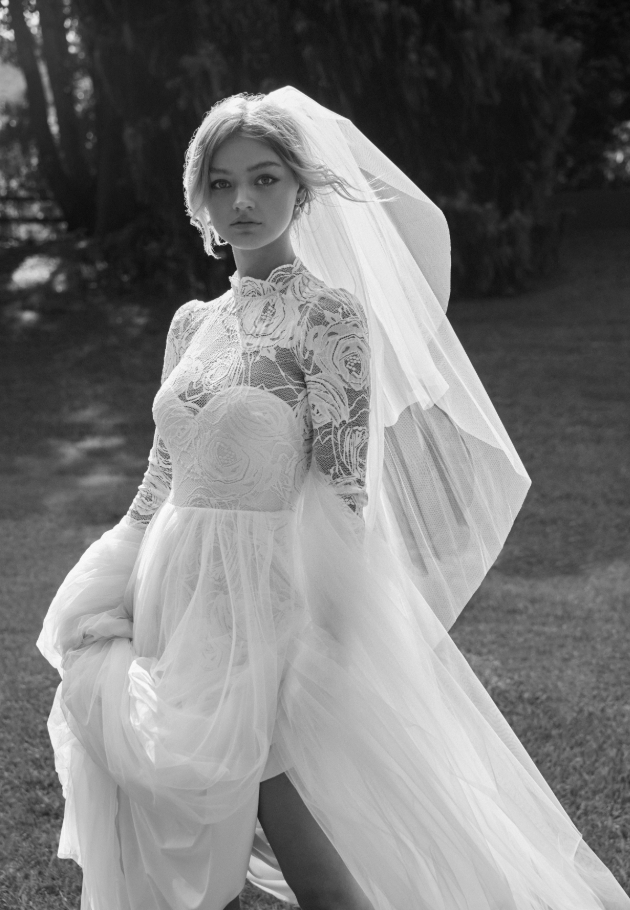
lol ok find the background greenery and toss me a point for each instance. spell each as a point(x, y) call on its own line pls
point(490, 105)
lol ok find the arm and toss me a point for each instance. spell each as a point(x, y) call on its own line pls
point(156, 483)
point(155, 486)
point(335, 358)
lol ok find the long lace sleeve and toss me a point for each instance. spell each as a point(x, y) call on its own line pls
point(156, 483)
point(335, 359)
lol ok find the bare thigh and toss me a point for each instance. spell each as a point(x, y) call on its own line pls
point(310, 864)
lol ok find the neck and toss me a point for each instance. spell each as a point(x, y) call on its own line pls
point(260, 263)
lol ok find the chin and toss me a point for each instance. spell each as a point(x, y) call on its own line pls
point(251, 242)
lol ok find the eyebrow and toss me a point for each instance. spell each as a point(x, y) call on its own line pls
point(254, 167)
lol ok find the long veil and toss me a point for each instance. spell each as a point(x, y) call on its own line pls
point(444, 486)
point(444, 481)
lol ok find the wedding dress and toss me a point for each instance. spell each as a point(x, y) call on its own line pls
point(241, 621)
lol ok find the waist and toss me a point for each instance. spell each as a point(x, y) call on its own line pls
point(228, 510)
point(269, 499)
point(204, 506)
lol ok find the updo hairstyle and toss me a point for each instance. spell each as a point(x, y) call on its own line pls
point(254, 117)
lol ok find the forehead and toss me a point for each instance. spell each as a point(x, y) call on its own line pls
point(240, 153)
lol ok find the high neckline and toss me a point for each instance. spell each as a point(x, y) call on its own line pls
point(277, 280)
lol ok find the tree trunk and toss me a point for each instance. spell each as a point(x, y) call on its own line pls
point(116, 203)
point(61, 186)
point(136, 49)
point(116, 200)
point(60, 72)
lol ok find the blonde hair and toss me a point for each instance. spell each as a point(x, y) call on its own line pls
point(253, 117)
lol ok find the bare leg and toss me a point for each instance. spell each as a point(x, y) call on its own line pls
point(310, 864)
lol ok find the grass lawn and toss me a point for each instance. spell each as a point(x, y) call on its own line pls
point(548, 632)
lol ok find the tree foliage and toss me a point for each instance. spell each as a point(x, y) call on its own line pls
point(62, 158)
point(472, 98)
point(602, 30)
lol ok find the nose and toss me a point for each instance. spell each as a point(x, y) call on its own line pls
point(242, 200)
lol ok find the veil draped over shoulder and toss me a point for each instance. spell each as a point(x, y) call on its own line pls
point(444, 481)
point(444, 486)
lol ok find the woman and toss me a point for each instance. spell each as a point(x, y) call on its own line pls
point(257, 675)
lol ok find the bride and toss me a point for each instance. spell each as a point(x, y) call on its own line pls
point(257, 676)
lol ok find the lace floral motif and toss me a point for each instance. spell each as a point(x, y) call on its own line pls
point(257, 385)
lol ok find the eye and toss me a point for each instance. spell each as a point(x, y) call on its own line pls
point(219, 184)
point(266, 180)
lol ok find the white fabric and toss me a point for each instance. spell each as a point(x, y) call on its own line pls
point(444, 482)
point(242, 621)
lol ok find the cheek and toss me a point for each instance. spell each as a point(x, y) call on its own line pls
point(284, 206)
point(216, 206)
point(221, 205)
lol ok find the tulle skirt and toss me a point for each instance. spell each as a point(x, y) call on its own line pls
point(228, 646)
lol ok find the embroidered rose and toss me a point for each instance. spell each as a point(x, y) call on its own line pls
point(186, 381)
point(327, 399)
point(223, 369)
point(176, 422)
point(341, 348)
point(354, 449)
point(269, 322)
point(304, 285)
point(250, 430)
point(183, 432)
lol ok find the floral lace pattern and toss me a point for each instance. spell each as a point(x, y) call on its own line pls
point(256, 385)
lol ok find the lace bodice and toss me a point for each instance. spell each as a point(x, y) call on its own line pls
point(256, 386)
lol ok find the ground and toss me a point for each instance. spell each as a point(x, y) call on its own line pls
point(548, 632)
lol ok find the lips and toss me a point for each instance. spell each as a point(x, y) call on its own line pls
point(245, 222)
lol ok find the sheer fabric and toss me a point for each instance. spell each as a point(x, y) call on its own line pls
point(444, 482)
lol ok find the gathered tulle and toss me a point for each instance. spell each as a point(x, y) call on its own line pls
point(292, 641)
point(182, 717)
point(401, 755)
point(162, 725)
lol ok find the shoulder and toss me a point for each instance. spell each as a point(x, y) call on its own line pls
point(328, 306)
point(188, 318)
point(333, 334)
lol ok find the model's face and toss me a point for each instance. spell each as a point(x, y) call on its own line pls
point(252, 194)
